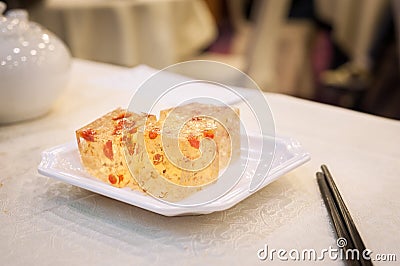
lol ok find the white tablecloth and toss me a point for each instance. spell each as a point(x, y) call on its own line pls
point(47, 222)
point(130, 32)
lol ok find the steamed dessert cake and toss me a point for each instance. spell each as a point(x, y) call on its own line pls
point(185, 147)
point(101, 144)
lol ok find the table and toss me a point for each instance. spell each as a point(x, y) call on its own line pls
point(46, 222)
point(130, 32)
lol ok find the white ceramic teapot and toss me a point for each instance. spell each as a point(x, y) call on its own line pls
point(34, 67)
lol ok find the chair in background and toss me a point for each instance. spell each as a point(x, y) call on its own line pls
point(274, 52)
point(369, 81)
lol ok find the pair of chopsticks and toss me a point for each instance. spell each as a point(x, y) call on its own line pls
point(340, 216)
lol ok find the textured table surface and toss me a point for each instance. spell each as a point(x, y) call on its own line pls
point(46, 222)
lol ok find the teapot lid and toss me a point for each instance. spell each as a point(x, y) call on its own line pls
point(14, 22)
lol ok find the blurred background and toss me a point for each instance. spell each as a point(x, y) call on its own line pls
point(343, 52)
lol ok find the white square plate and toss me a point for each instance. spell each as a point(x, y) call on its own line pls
point(63, 163)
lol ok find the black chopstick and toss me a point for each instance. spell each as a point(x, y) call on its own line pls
point(338, 223)
point(354, 234)
point(340, 215)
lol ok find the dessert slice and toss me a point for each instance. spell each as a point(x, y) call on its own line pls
point(171, 158)
point(175, 160)
point(101, 146)
point(226, 131)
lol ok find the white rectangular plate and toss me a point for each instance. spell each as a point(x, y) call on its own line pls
point(63, 163)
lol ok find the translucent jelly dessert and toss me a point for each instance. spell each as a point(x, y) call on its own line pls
point(226, 119)
point(101, 146)
point(170, 158)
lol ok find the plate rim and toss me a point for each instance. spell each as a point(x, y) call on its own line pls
point(300, 157)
